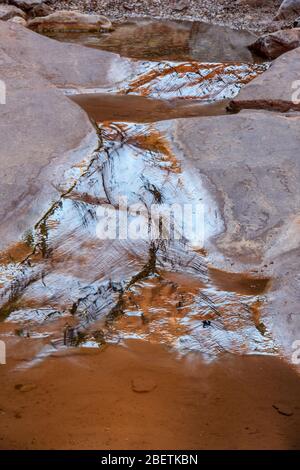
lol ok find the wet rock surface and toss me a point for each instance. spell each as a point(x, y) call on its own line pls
point(39, 142)
point(70, 293)
point(169, 40)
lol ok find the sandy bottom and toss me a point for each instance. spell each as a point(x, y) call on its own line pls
point(109, 107)
point(141, 396)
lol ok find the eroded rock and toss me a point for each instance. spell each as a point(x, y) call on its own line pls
point(273, 45)
point(9, 11)
point(65, 20)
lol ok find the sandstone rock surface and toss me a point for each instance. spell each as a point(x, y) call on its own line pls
point(65, 65)
point(64, 20)
point(273, 45)
point(276, 89)
point(250, 163)
point(42, 134)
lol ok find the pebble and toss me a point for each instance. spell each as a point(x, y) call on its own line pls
point(143, 384)
point(25, 387)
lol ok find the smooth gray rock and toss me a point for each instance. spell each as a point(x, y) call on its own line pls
point(250, 164)
point(276, 89)
point(42, 134)
point(65, 65)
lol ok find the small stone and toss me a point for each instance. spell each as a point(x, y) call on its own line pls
point(272, 45)
point(40, 10)
point(143, 384)
point(18, 20)
point(181, 5)
point(25, 387)
point(283, 409)
point(128, 6)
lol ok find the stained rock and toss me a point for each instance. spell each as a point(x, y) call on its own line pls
point(273, 45)
point(288, 9)
point(65, 20)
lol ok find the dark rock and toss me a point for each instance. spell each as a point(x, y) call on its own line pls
point(26, 4)
point(9, 11)
point(272, 45)
point(288, 9)
point(296, 23)
point(128, 6)
point(40, 10)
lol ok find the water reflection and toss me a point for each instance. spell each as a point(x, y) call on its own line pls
point(170, 40)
